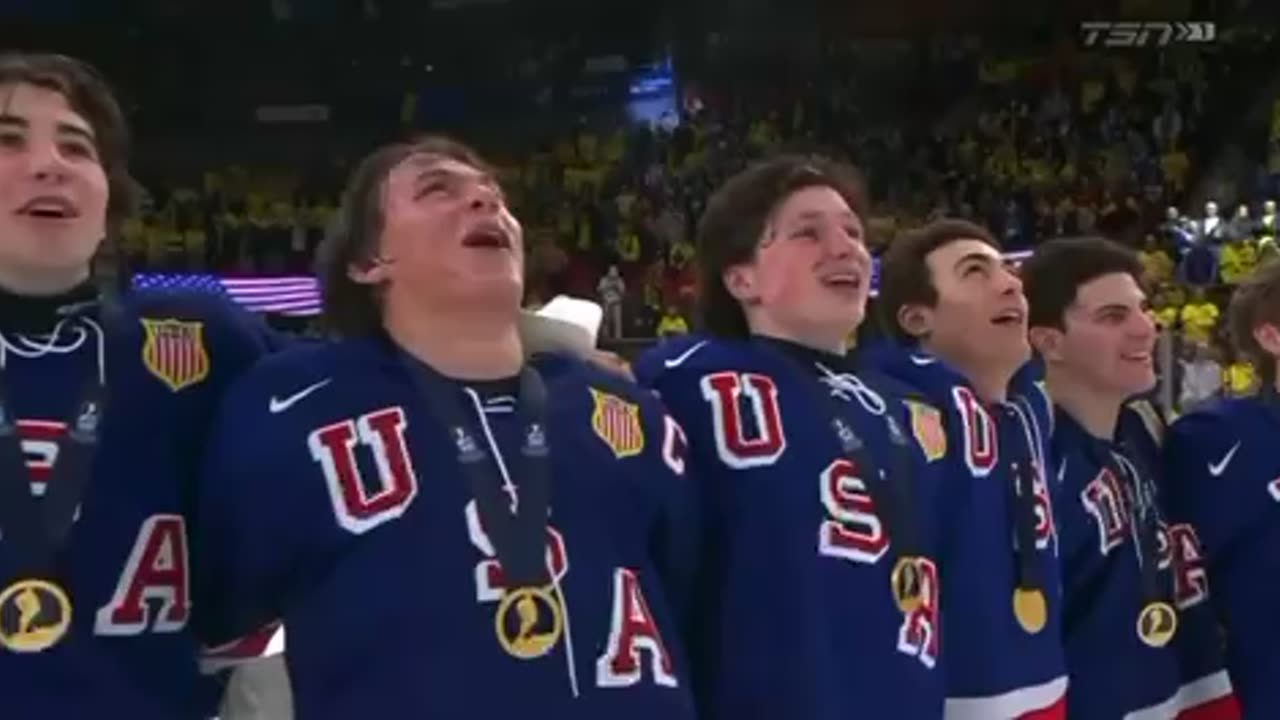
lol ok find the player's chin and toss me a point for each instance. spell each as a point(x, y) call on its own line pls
point(1133, 379)
point(1010, 348)
point(489, 285)
point(54, 254)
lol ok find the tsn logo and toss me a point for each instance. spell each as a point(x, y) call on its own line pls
point(153, 592)
point(360, 506)
point(748, 433)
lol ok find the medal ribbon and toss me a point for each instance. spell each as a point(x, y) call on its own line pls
point(1012, 436)
point(517, 529)
point(35, 528)
point(891, 494)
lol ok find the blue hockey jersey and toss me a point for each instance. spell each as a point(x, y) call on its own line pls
point(1222, 473)
point(997, 668)
point(1110, 522)
point(335, 500)
point(129, 650)
point(796, 617)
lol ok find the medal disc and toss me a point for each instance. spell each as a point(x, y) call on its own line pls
point(1030, 608)
point(907, 582)
point(1157, 624)
point(34, 615)
point(529, 622)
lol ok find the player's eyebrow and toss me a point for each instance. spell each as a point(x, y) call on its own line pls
point(432, 170)
point(1109, 308)
point(818, 215)
point(975, 256)
point(63, 127)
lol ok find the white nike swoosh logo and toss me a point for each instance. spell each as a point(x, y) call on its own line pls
point(1216, 469)
point(279, 405)
point(923, 360)
point(678, 360)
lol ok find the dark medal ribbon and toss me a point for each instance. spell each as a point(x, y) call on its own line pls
point(1158, 620)
point(529, 620)
point(35, 611)
point(891, 495)
point(1030, 606)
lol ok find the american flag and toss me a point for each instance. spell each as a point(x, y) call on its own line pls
point(296, 295)
point(299, 295)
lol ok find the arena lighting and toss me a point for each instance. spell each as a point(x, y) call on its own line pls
point(299, 295)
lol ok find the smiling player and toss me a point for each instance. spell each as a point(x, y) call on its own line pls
point(1141, 639)
point(820, 592)
point(104, 401)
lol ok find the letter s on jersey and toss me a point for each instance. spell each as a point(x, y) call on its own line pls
point(334, 448)
point(490, 584)
point(851, 530)
point(738, 448)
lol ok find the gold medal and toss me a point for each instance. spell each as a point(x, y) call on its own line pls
point(1030, 608)
point(34, 615)
point(907, 582)
point(528, 622)
point(1157, 624)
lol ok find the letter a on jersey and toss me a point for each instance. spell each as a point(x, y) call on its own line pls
point(617, 423)
point(174, 352)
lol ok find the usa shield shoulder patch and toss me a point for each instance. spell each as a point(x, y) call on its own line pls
point(926, 426)
point(617, 423)
point(174, 352)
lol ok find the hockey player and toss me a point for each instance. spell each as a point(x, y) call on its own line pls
point(959, 317)
point(1141, 639)
point(820, 598)
point(467, 533)
point(104, 402)
point(1223, 473)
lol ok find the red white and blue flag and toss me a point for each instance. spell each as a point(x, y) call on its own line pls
point(297, 295)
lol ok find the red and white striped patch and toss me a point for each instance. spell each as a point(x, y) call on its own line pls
point(617, 423)
point(174, 352)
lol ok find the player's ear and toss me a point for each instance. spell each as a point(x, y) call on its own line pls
point(1267, 336)
point(916, 320)
point(740, 281)
point(372, 271)
point(1047, 342)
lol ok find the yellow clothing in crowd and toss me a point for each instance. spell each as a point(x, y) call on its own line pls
point(1198, 320)
point(1158, 266)
point(1166, 317)
point(672, 325)
point(1240, 379)
point(1237, 261)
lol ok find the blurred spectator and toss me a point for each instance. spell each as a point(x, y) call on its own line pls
point(1241, 227)
point(1237, 260)
point(672, 324)
point(1240, 379)
point(1211, 230)
point(1201, 377)
point(1156, 264)
point(1199, 266)
point(612, 291)
point(1199, 318)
